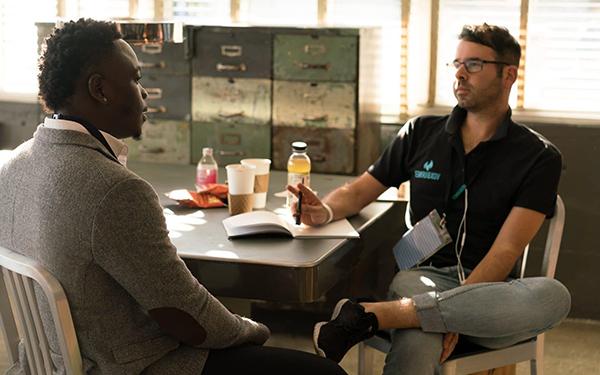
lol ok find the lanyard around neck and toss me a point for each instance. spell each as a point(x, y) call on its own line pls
point(89, 127)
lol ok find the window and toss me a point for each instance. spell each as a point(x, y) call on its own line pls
point(563, 56)
point(279, 12)
point(453, 15)
point(199, 12)
point(385, 14)
point(18, 45)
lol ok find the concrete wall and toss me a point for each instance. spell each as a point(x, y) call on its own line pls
point(579, 262)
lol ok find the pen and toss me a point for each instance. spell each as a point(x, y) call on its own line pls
point(299, 207)
point(299, 211)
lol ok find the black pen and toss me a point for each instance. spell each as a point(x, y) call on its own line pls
point(299, 207)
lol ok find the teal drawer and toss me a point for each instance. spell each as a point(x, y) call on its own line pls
point(315, 58)
point(306, 104)
point(231, 142)
point(163, 141)
point(241, 100)
point(330, 150)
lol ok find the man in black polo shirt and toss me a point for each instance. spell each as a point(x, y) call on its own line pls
point(494, 181)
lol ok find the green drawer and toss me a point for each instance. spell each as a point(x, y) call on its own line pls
point(315, 58)
point(330, 150)
point(231, 142)
point(241, 100)
point(306, 104)
point(163, 141)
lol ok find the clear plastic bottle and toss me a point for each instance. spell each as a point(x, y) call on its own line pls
point(298, 168)
point(207, 170)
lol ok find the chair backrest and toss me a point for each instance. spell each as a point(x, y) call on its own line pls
point(553, 240)
point(20, 316)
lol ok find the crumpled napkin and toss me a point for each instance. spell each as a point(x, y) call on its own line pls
point(211, 195)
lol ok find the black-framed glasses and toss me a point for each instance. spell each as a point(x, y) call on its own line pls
point(474, 65)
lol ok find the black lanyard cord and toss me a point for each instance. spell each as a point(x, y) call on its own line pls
point(89, 127)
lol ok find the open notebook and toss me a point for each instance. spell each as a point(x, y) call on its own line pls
point(260, 222)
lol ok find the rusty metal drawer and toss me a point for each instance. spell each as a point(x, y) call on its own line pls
point(168, 96)
point(162, 58)
point(315, 58)
point(314, 104)
point(163, 141)
point(330, 150)
point(231, 142)
point(232, 52)
point(231, 100)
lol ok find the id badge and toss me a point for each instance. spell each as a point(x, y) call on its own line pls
point(420, 242)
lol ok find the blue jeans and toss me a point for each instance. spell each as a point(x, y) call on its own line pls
point(493, 315)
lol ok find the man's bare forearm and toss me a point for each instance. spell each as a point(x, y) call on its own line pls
point(349, 199)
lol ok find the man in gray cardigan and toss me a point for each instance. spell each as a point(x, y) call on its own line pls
point(68, 201)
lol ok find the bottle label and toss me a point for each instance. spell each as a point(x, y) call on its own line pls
point(205, 176)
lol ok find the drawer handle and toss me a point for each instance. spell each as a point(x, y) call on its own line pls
point(231, 68)
point(150, 65)
point(231, 153)
point(316, 118)
point(152, 48)
point(231, 115)
point(154, 93)
point(159, 109)
point(307, 66)
point(152, 150)
point(231, 50)
point(318, 158)
point(315, 49)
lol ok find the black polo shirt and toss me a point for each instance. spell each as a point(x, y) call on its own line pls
point(516, 167)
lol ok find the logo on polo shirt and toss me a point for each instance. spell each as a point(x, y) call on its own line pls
point(427, 174)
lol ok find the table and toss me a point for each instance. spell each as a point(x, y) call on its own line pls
point(265, 268)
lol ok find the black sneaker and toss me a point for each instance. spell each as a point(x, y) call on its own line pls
point(349, 325)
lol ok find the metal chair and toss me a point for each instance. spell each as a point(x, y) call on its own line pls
point(483, 359)
point(21, 320)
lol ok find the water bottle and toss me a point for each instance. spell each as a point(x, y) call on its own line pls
point(298, 168)
point(207, 170)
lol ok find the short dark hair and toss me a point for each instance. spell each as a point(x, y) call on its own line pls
point(71, 50)
point(497, 38)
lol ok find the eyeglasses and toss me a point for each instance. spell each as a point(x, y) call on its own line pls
point(474, 65)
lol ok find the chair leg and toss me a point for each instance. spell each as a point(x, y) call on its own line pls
point(365, 360)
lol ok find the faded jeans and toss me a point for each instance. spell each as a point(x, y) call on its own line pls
point(492, 315)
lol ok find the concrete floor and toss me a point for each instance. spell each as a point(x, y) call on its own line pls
point(573, 348)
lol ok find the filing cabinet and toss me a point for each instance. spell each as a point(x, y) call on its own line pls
point(331, 150)
point(232, 93)
point(162, 141)
point(314, 104)
point(319, 87)
point(231, 142)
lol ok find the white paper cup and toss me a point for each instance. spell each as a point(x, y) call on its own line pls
point(261, 180)
point(240, 179)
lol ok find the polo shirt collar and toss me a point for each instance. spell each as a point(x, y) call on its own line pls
point(457, 117)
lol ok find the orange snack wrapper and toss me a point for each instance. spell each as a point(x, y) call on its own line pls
point(210, 196)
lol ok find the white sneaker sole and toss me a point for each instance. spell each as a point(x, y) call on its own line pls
point(317, 329)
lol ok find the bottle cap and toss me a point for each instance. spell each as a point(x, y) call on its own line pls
point(299, 146)
point(207, 151)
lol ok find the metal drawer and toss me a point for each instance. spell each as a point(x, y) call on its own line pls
point(168, 96)
point(315, 58)
point(231, 100)
point(163, 141)
point(232, 52)
point(163, 58)
point(312, 104)
point(330, 150)
point(231, 142)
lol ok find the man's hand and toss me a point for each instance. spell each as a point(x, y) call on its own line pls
point(449, 343)
point(313, 211)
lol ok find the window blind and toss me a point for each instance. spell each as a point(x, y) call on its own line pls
point(201, 12)
point(563, 56)
point(386, 15)
point(453, 15)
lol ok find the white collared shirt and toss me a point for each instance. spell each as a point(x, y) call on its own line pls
point(118, 147)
